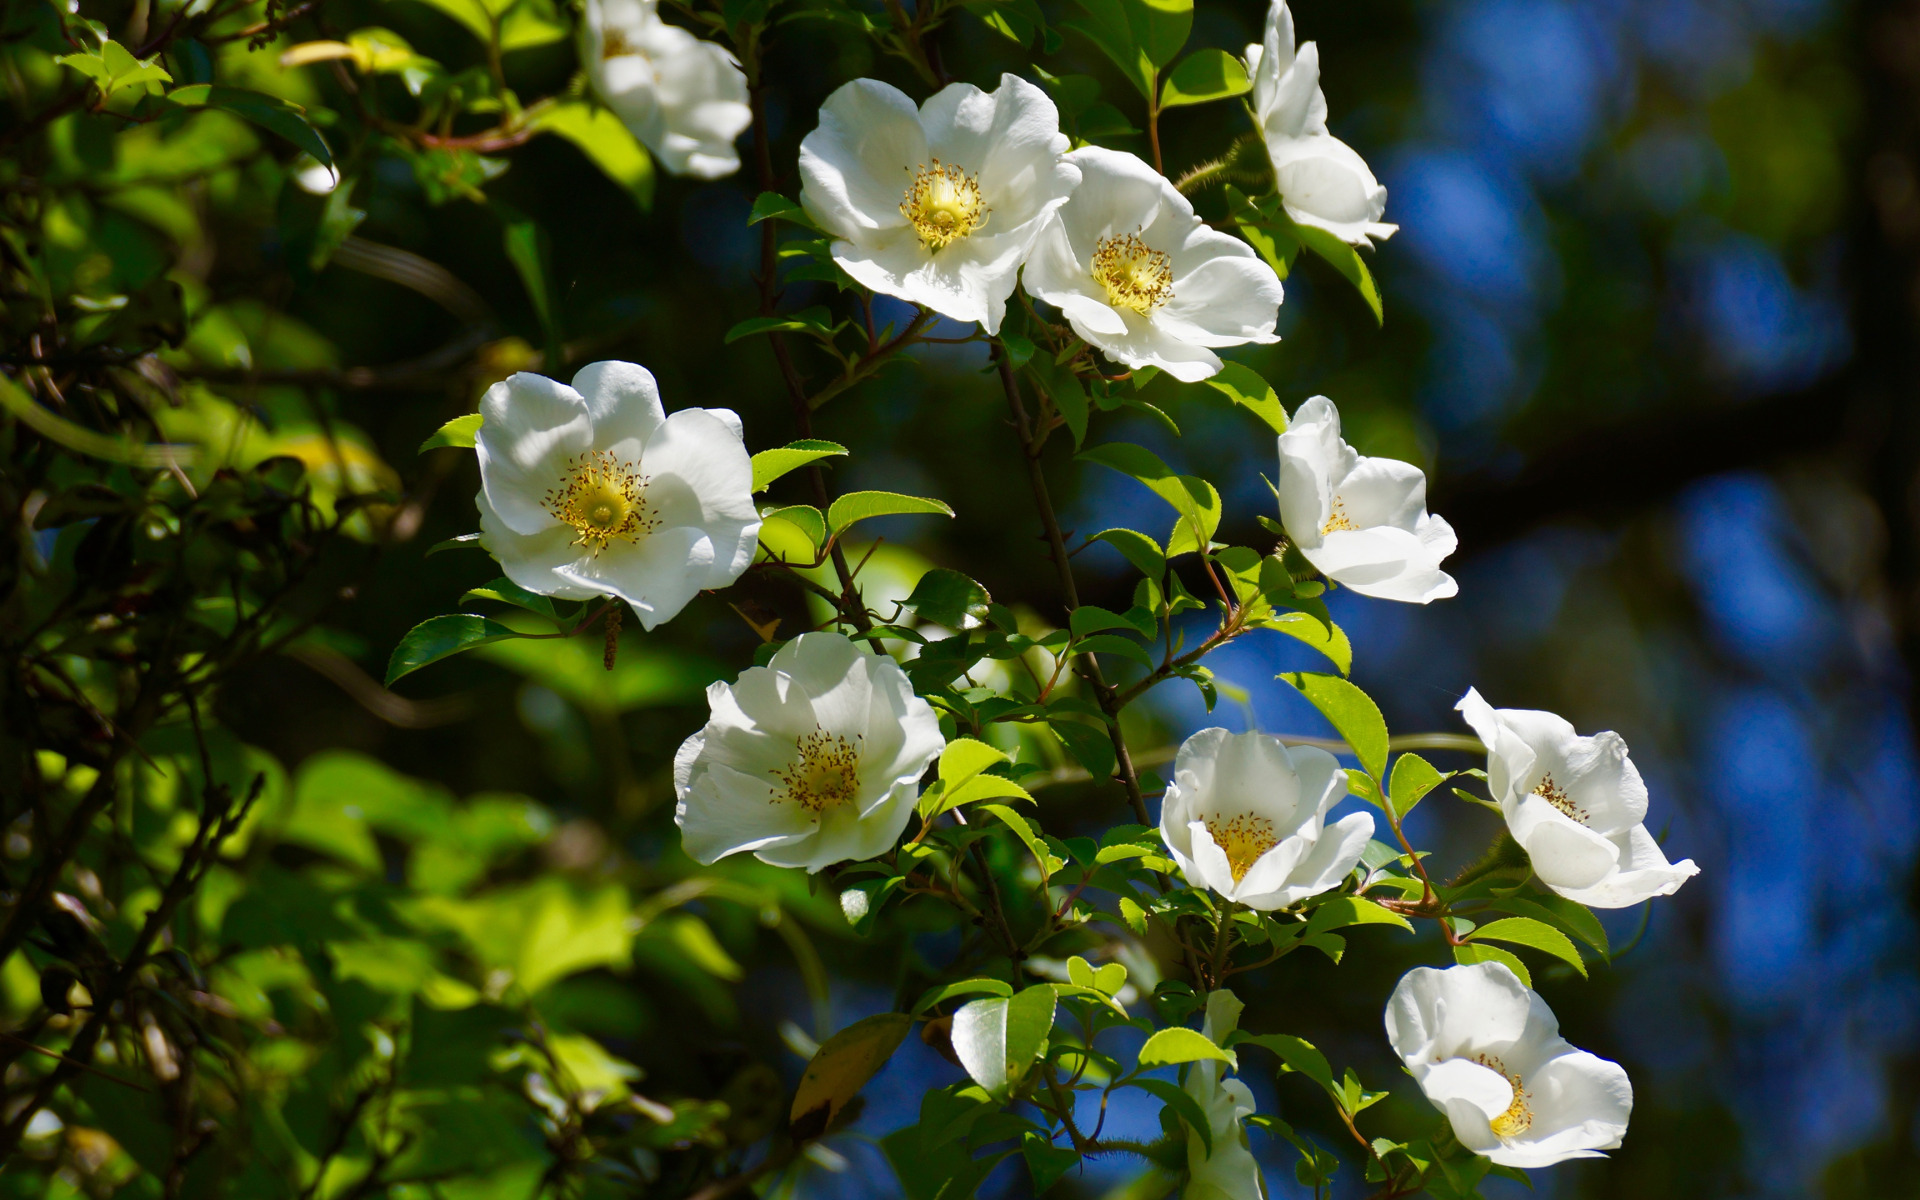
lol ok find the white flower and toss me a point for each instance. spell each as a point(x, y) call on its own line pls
point(1488, 1052)
point(810, 760)
point(937, 205)
point(1322, 181)
point(1246, 816)
point(1140, 276)
point(1229, 1172)
point(684, 97)
point(1575, 804)
point(1362, 522)
point(592, 490)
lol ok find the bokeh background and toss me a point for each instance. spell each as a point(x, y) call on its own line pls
point(1650, 328)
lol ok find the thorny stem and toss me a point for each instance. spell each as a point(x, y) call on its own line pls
point(851, 606)
point(1057, 546)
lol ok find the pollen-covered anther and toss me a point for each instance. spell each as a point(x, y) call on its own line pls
point(603, 499)
point(944, 204)
point(1556, 795)
point(1338, 520)
point(1243, 840)
point(1136, 276)
point(1518, 1118)
point(825, 772)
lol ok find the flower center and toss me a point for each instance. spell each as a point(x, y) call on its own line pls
point(1243, 839)
point(1339, 520)
point(1135, 277)
point(825, 773)
point(944, 204)
point(604, 500)
point(1518, 1118)
point(614, 44)
point(1557, 796)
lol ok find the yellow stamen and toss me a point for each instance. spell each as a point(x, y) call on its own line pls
point(614, 44)
point(1243, 839)
point(1518, 1118)
point(1339, 520)
point(604, 500)
point(1135, 276)
point(1557, 796)
point(825, 774)
point(944, 204)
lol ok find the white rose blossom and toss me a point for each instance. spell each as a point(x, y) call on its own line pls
point(940, 204)
point(1362, 522)
point(1487, 1051)
point(1323, 182)
point(1246, 816)
point(684, 97)
point(1143, 278)
point(1575, 804)
point(593, 490)
point(810, 760)
point(1229, 1172)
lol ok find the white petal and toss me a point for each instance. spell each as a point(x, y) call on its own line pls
point(532, 560)
point(1642, 873)
point(1334, 855)
point(726, 812)
point(1227, 300)
point(623, 404)
point(1268, 874)
point(1483, 1089)
point(701, 105)
point(1145, 344)
point(1601, 780)
point(1324, 183)
point(1382, 562)
point(1510, 760)
point(656, 576)
point(530, 426)
point(1209, 861)
point(699, 474)
point(856, 166)
point(1383, 491)
point(1456, 1012)
point(1312, 457)
point(1565, 853)
point(1010, 138)
point(1581, 1104)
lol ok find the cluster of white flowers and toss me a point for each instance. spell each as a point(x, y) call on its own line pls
point(817, 757)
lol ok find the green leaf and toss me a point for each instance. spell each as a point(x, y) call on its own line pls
point(841, 1067)
point(1346, 260)
point(1570, 915)
point(1244, 386)
point(1343, 911)
point(949, 598)
point(861, 506)
point(1139, 549)
point(1473, 952)
point(1266, 227)
point(1161, 26)
point(1324, 636)
point(1046, 1162)
point(1177, 1098)
point(1413, 778)
point(1023, 830)
point(442, 637)
point(1193, 498)
point(1064, 388)
point(1352, 712)
point(1525, 931)
point(1205, 75)
point(998, 1040)
point(269, 112)
point(815, 320)
point(528, 250)
point(1110, 27)
point(796, 533)
point(965, 987)
point(607, 143)
point(772, 206)
point(1298, 1054)
point(1108, 643)
point(1091, 747)
point(457, 434)
point(1181, 1045)
point(769, 465)
point(457, 542)
point(506, 591)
